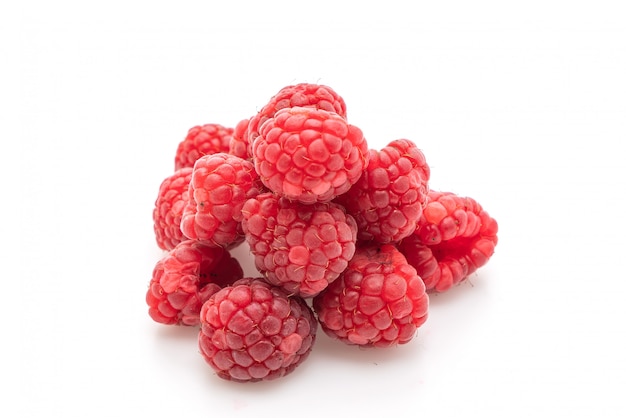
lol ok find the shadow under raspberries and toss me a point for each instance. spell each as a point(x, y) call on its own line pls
point(178, 333)
point(474, 287)
point(332, 349)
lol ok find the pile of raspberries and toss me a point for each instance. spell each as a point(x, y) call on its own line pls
point(343, 236)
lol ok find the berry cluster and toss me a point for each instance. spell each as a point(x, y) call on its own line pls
point(345, 238)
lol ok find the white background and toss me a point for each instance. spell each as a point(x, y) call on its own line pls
point(520, 105)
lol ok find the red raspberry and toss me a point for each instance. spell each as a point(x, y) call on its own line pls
point(379, 300)
point(220, 184)
point(239, 144)
point(454, 237)
point(301, 248)
point(185, 278)
point(168, 208)
point(253, 331)
point(299, 95)
point(388, 199)
point(207, 139)
point(309, 155)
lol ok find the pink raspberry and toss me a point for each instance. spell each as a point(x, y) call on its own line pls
point(379, 300)
point(239, 144)
point(252, 331)
point(220, 184)
point(388, 199)
point(207, 139)
point(299, 95)
point(454, 237)
point(309, 155)
point(301, 248)
point(168, 208)
point(185, 278)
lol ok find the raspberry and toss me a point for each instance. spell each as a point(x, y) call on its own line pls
point(168, 208)
point(388, 199)
point(299, 95)
point(220, 184)
point(252, 331)
point(379, 300)
point(185, 278)
point(454, 237)
point(239, 144)
point(301, 248)
point(309, 155)
point(207, 139)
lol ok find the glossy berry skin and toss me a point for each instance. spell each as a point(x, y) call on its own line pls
point(185, 278)
point(201, 140)
point(309, 155)
point(388, 199)
point(301, 248)
point(219, 186)
point(379, 300)
point(455, 236)
point(315, 96)
point(239, 143)
point(168, 208)
point(252, 331)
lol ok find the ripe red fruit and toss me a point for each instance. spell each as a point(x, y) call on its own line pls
point(252, 331)
point(388, 199)
point(315, 96)
point(206, 139)
point(168, 208)
point(455, 236)
point(379, 300)
point(219, 186)
point(301, 248)
point(185, 278)
point(309, 155)
point(239, 143)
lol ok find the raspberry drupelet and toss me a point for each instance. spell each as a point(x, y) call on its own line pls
point(239, 143)
point(388, 199)
point(168, 208)
point(309, 155)
point(185, 278)
point(379, 300)
point(301, 248)
point(316, 96)
point(206, 139)
point(252, 331)
point(455, 236)
point(220, 184)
